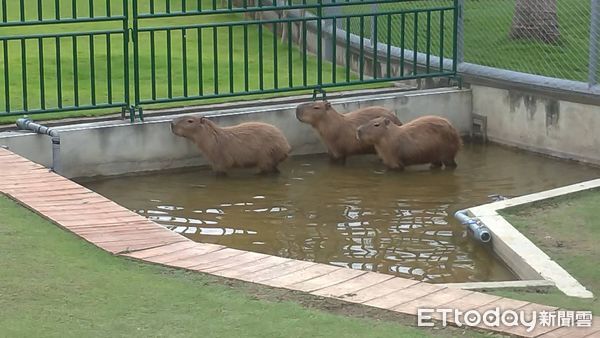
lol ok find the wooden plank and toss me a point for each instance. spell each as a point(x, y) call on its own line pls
point(352, 285)
point(89, 199)
point(435, 300)
point(504, 304)
point(310, 272)
point(100, 212)
point(98, 221)
point(121, 247)
point(205, 257)
point(333, 278)
point(404, 295)
point(131, 236)
point(379, 290)
point(287, 267)
point(186, 254)
point(146, 228)
point(54, 200)
point(145, 254)
point(231, 262)
point(22, 193)
point(108, 226)
point(473, 301)
point(270, 262)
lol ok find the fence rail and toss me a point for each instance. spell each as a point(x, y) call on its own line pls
point(191, 50)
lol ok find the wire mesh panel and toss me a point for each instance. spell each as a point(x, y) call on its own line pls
point(543, 37)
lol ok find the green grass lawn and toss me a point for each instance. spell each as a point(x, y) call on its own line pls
point(56, 285)
point(568, 230)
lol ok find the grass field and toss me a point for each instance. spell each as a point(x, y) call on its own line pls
point(56, 285)
point(568, 230)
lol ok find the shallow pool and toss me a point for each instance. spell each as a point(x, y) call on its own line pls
point(357, 216)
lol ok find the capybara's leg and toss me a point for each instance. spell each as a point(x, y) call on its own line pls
point(450, 164)
point(268, 168)
point(269, 171)
point(396, 166)
point(340, 160)
point(436, 165)
point(219, 171)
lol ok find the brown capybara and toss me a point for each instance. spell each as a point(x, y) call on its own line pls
point(427, 139)
point(338, 131)
point(245, 145)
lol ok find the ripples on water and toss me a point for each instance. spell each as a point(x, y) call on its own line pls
point(355, 216)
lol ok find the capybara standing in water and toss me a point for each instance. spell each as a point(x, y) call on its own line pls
point(338, 131)
point(427, 139)
point(245, 145)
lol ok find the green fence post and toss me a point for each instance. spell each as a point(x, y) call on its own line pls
point(126, 62)
point(136, 66)
point(319, 44)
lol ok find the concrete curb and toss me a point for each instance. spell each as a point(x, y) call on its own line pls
point(522, 256)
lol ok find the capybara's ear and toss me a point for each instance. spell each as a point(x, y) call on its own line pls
point(387, 121)
point(202, 119)
point(327, 104)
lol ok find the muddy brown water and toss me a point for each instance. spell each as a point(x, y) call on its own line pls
point(356, 216)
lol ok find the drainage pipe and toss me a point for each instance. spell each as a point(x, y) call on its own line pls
point(28, 124)
point(479, 231)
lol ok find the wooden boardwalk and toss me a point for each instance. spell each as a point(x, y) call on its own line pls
point(120, 231)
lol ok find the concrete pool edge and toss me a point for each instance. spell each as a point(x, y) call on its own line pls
point(125, 233)
point(526, 260)
point(119, 147)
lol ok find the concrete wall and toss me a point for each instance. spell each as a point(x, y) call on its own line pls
point(117, 147)
point(540, 123)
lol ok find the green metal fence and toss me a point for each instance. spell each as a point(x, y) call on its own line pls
point(186, 50)
point(54, 58)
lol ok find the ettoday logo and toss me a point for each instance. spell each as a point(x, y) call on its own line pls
point(509, 318)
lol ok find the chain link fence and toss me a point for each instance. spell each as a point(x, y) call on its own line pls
point(542, 37)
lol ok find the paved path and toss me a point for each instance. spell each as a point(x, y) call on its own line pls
point(120, 231)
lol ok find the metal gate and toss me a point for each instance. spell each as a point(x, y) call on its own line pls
point(187, 50)
point(57, 58)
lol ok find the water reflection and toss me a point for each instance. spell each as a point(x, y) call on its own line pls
point(353, 216)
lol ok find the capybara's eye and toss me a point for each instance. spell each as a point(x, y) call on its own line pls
point(315, 107)
point(190, 121)
point(377, 124)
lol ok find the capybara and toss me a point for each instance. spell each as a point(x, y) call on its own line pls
point(427, 139)
point(245, 145)
point(338, 131)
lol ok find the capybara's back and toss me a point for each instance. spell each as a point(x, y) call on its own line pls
point(364, 115)
point(428, 139)
point(338, 131)
point(251, 144)
point(431, 139)
point(255, 142)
